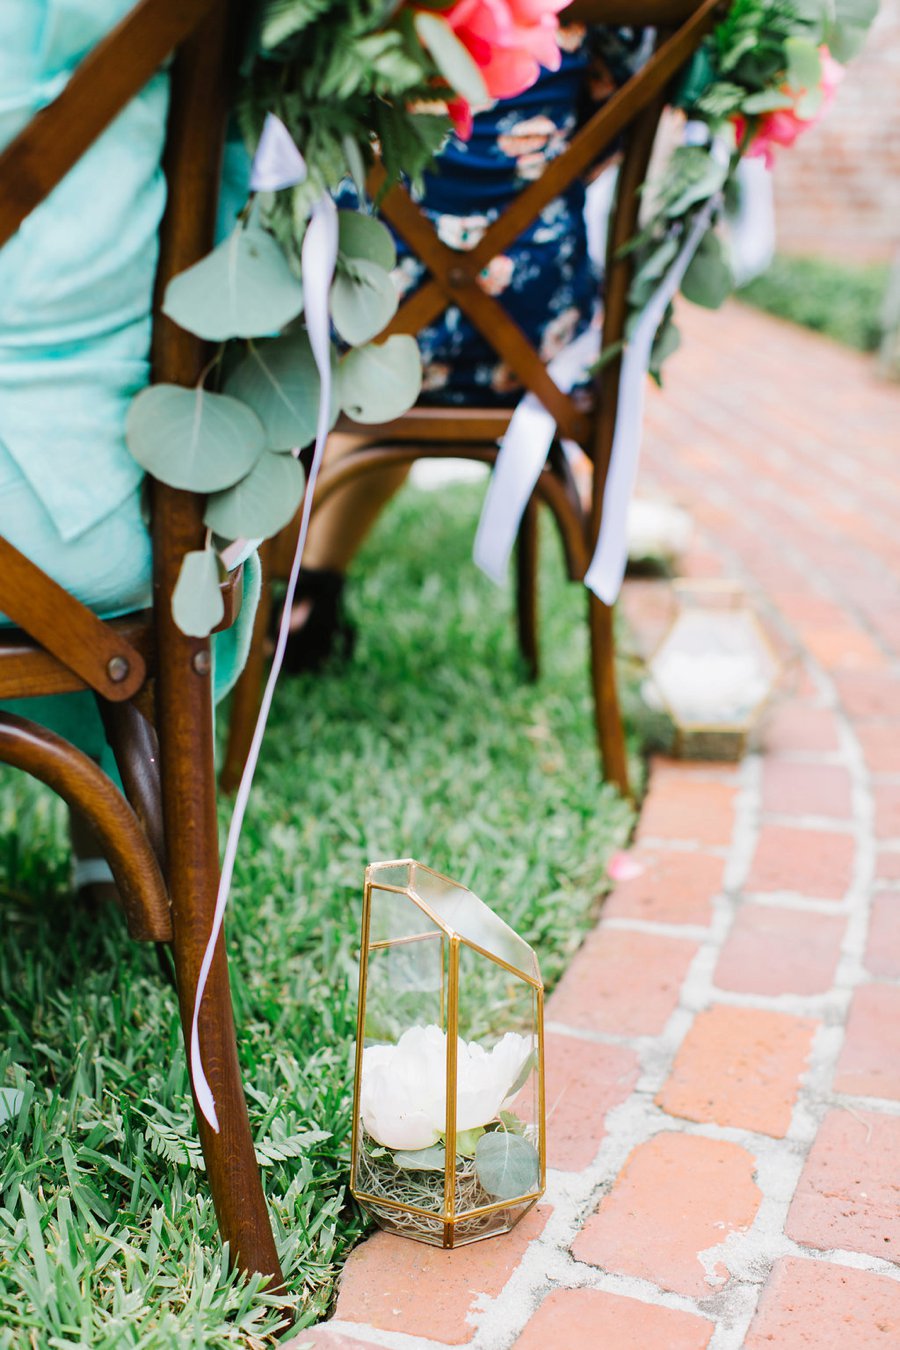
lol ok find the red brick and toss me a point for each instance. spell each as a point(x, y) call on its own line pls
point(677, 1196)
point(622, 982)
point(398, 1285)
point(324, 1337)
point(887, 865)
point(842, 646)
point(805, 608)
point(570, 1318)
point(815, 863)
point(869, 1064)
point(796, 726)
point(683, 807)
point(806, 789)
point(815, 1305)
point(869, 694)
point(883, 950)
point(740, 1067)
point(880, 743)
point(780, 951)
point(584, 1082)
point(673, 888)
point(849, 1193)
point(887, 810)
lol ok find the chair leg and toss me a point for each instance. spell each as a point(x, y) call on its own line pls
point(526, 589)
point(610, 734)
point(247, 692)
point(189, 808)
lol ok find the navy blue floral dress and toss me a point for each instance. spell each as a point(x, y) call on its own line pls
point(546, 281)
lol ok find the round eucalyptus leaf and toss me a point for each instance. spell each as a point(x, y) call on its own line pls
point(197, 604)
point(192, 439)
point(260, 504)
point(708, 280)
point(279, 380)
point(422, 1159)
point(364, 236)
point(507, 1165)
point(382, 380)
point(363, 300)
point(244, 288)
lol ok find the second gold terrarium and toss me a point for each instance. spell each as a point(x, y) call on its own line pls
point(448, 1131)
point(714, 671)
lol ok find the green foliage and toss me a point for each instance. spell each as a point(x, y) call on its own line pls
point(244, 288)
point(378, 382)
point(279, 380)
point(336, 74)
point(193, 439)
point(197, 604)
point(759, 50)
point(363, 300)
point(430, 744)
point(840, 300)
point(507, 1165)
point(451, 57)
point(262, 503)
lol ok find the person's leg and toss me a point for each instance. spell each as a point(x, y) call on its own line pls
point(337, 531)
point(339, 527)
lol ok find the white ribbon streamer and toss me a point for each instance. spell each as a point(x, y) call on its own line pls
point(522, 455)
point(277, 163)
point(318, 258)
point(607, 568)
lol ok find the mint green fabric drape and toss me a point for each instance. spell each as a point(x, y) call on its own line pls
point(76, 287)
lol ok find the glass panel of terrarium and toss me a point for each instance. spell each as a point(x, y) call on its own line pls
point(714, 669)
point(390, 873)
point(460, 910)
point(498, 1107)
point(395, 916)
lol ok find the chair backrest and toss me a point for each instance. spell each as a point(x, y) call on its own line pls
point(632, 112)
point(98, 653)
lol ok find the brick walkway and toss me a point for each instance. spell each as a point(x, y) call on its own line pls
point(724, 1053)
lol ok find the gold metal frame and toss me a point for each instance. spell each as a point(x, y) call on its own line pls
point(447, 1215)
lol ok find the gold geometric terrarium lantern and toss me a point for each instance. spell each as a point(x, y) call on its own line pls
point(449, 1141)
point(714, 670)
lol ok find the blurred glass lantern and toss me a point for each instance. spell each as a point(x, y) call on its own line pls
point(448, 1126)
point(714, 670)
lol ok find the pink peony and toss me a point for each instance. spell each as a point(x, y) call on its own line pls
point(785, 125)
point(509, 41)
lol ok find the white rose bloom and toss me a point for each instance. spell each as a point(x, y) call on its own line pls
point(403, 1093)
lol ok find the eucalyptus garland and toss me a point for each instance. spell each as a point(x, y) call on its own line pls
point(758, 79)
point(338, 74)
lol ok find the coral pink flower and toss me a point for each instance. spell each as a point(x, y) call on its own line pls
point(509, 41)
point(783, 126)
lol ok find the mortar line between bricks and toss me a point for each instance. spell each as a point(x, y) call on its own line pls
point(811, 1104)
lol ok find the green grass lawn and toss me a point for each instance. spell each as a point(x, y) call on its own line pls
point(841, 300)
point(430, 744)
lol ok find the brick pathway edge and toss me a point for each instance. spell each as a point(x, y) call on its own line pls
point(724, 1051)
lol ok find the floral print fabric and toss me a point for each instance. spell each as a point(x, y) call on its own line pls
point(545, 282)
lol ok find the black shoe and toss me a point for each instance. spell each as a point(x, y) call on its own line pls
point(326, 634)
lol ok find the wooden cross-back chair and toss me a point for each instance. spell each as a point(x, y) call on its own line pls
point(152, 683)
point(632, 114)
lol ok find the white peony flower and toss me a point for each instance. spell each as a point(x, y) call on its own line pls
point(403, 1092)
